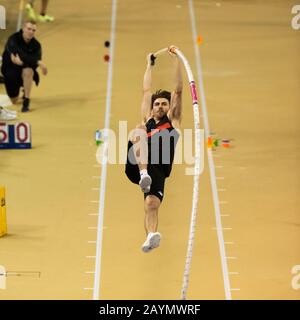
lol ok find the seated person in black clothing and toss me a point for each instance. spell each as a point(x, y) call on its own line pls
point(20, 60)
point(151, 149)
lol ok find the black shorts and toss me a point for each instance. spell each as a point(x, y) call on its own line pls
point(13, 81)
point(155, 172)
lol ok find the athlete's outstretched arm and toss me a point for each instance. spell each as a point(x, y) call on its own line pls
point(176, 97)
point(146, 103)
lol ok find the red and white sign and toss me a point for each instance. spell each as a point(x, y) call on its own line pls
point(22, 132)
point(4, 138)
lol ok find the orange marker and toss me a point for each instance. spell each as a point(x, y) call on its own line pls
point(199, 40)
point(209, 142)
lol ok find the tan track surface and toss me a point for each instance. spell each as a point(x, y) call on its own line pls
point(250, 58)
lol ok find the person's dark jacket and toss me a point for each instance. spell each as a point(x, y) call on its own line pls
point(30, 53)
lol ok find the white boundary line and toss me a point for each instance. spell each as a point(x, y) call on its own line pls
point(211, 165)
point(96, 293)
point(20, 15)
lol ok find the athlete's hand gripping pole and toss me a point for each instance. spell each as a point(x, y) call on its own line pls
point(156, 54)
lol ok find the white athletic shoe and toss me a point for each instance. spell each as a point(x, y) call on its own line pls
point(152, 241)
point(8, 110)
point(6, 116)
point(145, 183)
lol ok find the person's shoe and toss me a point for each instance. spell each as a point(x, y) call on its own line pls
point(152, 241)
point(25, 107)
point(30, 12)
point(45, 18)
point(145, 183)
point(9, 111)
point(6, 116)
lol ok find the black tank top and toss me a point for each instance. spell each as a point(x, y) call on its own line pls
point(162, 140)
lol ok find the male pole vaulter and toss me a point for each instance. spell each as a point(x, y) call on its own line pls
point(152, 146)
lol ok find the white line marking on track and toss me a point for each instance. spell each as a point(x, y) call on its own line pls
point(97, 278)
point(210, 156)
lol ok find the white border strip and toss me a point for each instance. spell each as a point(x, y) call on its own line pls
point(96, 293)
point(210, 158)
point(20, 15)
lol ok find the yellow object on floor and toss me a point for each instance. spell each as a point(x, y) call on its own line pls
point(3, 225)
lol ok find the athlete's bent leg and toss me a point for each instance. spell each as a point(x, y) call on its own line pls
point(140, 146)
